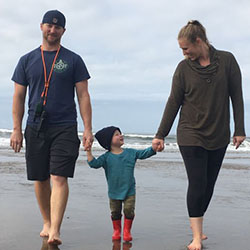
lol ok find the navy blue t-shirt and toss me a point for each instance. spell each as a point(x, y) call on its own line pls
point(68, 70)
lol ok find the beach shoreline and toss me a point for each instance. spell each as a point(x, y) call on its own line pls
point(161, 217)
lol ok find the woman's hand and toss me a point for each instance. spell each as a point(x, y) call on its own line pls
point(237, 140)
point(158, 144)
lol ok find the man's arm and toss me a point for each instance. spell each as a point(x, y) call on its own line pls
point(86, 112)
point(16, 139)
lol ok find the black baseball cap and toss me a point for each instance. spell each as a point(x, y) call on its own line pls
point(54, 17)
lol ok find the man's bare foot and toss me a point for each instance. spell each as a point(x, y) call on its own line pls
point(45, 230)
point(54, 239)
point(195, 245)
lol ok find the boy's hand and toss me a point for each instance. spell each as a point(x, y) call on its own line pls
point(158, 145)
point(90, 157)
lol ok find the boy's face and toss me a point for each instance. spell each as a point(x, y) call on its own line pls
point(117, 139)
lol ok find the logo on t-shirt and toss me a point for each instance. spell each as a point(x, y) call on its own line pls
point(60, 66)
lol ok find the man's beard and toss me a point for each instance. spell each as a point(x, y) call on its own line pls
point(52, 42)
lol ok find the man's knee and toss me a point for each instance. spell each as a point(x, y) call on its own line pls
point(59, 180)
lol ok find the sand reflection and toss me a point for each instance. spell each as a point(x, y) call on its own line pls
point(46, 246)
point(125, 245)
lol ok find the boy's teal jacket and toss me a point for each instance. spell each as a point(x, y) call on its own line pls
point(119, 170)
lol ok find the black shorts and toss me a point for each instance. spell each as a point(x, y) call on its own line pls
point(53, 151)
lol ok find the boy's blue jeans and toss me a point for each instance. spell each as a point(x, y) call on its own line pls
point(128, 208)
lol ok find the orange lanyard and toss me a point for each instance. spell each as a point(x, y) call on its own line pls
point(46, 82)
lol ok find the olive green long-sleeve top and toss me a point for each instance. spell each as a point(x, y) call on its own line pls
point(203, 94)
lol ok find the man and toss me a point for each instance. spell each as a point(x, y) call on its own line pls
point(52, 73)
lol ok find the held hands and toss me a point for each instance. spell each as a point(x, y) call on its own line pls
point(87, 144)
point(16, 140)
point(237, 140)
point(87, 140)
point(158, 145)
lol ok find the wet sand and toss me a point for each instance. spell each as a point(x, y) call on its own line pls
point(161, 221)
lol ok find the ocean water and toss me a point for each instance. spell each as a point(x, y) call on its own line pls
point(137, 141)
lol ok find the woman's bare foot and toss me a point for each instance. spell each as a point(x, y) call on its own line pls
point(195, 245)
point(45, 230)
point(204, 237)
point(54, 239)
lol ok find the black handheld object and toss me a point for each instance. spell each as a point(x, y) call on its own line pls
point(42, 120)
point(39, 110)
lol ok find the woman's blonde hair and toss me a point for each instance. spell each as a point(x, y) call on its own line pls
point(192, 30)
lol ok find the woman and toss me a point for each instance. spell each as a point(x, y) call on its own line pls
point(202, 86)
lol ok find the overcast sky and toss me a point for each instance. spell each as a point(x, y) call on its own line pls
point(129, 47)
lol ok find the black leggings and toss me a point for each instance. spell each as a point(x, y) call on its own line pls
point(202, 168)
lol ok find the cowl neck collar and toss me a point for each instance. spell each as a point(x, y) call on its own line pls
point(209, 70)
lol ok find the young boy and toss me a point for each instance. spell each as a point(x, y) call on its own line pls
point(119, 164)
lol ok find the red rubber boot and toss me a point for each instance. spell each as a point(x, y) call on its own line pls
point(117, 230)
point(126, 229)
